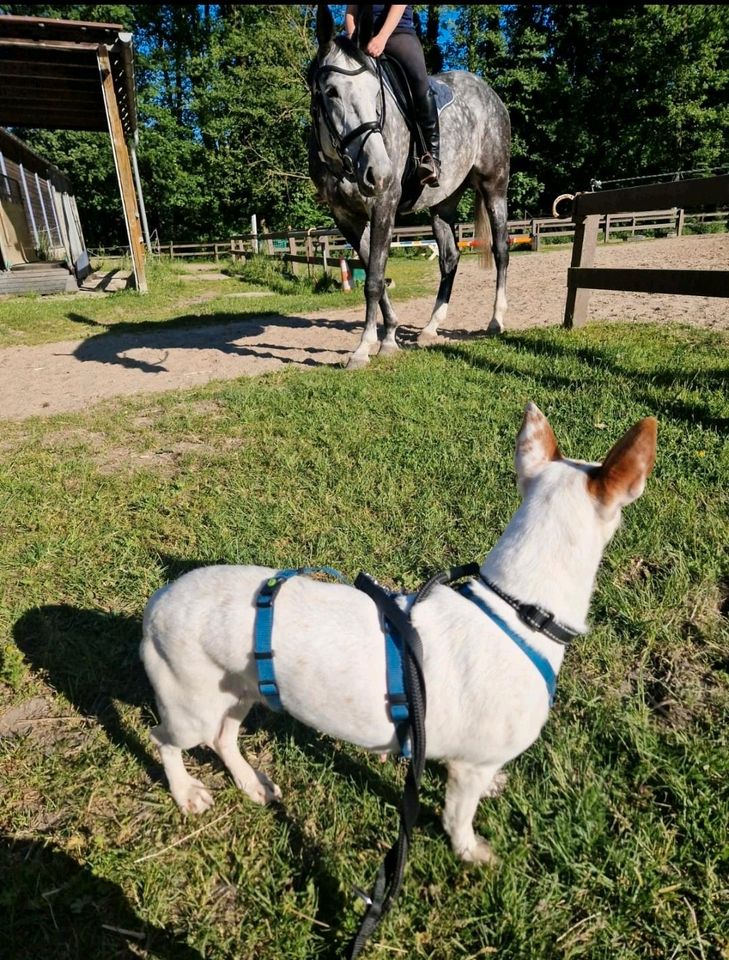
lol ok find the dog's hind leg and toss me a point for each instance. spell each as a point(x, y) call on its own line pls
point(189, 794)
point(253, 782)
point(467, 783)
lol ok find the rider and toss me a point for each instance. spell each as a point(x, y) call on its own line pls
point(394, 33)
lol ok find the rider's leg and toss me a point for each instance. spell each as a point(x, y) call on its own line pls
point(406, 49)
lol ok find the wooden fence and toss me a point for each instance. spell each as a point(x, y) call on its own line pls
point(590, 209)
point(323, 247)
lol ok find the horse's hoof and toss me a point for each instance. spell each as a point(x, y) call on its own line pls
point(495, 328)
point(356, 363)
point(427, 339)
point(388, 349)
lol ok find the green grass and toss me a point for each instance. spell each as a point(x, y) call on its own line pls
point(612, 831)
point(179, 302)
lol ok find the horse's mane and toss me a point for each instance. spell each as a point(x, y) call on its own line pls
point(349, 48)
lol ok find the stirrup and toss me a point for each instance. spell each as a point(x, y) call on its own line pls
point(429, 171)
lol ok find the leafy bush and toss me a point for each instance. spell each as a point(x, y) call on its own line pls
point(700, 227)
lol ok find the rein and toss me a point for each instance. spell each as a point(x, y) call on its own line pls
point(320, 111)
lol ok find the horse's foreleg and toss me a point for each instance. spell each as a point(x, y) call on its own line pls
point(380, 234)
point(389, 343)
point(359, 236)
point(496, 208)
point(448, 261)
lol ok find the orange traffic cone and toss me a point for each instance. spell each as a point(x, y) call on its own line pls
point(344, 269)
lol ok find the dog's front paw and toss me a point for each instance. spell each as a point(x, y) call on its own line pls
point(193, 798)
point(478, 852)
point(261, 789)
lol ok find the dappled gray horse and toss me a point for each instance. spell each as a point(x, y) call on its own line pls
point(359, 152)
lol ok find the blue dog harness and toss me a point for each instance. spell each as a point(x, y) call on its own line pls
point(397, 699)
point(541, 663)
point(406, 694)
point(263, 632)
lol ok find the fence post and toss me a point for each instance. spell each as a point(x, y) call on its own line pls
point(680, 221)
point(293, 252)
point(536, 237)
point(309, 251)
point(172, 250)
point(215, 252)
point(583, 255)
point(325, 255)
point(607, 228)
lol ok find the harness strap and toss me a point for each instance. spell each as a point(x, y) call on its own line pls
point(390, 874)
point(540, 662)
point(397, 700)
point(534, 616)
point(263, 630)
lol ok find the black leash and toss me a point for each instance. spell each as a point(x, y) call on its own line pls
point(390, 874)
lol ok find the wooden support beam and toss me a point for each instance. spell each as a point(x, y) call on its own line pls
point(682, 193)
point(19, 74)
point(16, 116)
point(123, 169)
point(583, 255)
point(690, 283)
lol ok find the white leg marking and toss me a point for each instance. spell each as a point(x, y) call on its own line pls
point(497, 323)
point(429, 332)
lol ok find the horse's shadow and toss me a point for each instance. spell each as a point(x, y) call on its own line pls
point(219, 331)
point(664, 382)
point(92, 658)
point(56, 907)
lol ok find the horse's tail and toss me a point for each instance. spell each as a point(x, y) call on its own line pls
point(482, 233)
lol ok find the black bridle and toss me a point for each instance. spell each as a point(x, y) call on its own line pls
point(320, 111)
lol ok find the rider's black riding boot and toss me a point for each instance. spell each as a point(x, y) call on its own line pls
point(429, 167)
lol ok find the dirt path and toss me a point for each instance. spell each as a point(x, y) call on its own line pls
point(60, 377)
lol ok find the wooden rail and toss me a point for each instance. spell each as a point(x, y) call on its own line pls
point(313, 247)
point(589, 208)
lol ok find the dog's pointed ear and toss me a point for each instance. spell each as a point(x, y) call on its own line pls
point(324, 26)
point(365, 26)
point(536, 444)
point(621, 477)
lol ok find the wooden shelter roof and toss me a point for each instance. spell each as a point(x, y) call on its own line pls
point(49, 74)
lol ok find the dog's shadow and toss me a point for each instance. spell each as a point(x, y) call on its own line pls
point(92, 658)
point(56, 907)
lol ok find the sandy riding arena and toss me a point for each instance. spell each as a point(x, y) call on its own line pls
point(60, 377)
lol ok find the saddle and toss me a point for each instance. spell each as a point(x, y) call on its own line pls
point(396, 81)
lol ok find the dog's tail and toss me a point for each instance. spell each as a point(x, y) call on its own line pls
point(482, 233)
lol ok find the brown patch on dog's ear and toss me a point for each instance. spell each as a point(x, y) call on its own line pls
point(622, 476)
point(324, 26)
point(536, 444)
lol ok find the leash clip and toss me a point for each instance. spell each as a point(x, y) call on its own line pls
point(365, 897)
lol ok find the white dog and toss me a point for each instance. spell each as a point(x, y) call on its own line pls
point(487, 702)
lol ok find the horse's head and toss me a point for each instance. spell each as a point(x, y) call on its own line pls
point(348, 110)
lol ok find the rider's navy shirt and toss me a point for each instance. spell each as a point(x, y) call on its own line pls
point(379, 15)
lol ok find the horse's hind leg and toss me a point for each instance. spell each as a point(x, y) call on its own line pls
point(494, 196)
point(448, 261)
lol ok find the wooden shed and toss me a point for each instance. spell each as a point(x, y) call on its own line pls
point(67, 75)
point(42, 248)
